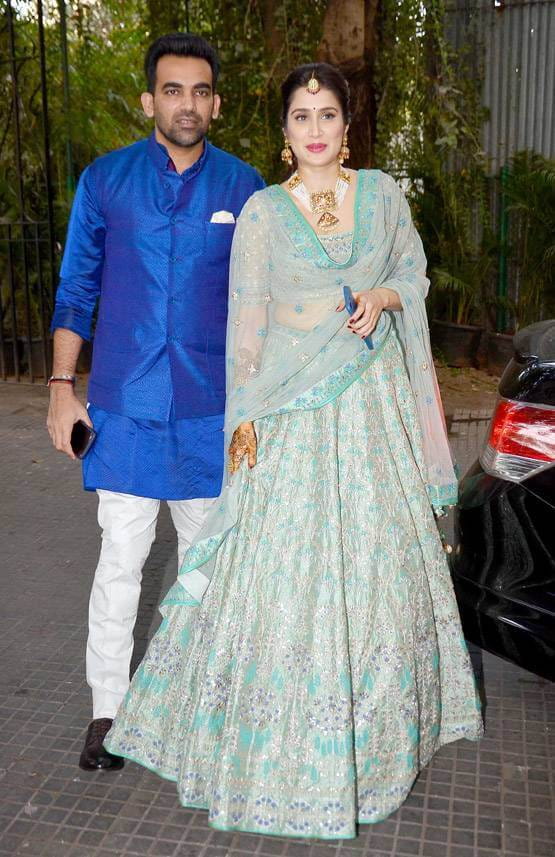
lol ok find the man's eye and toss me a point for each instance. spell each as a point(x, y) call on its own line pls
point(202, 92)
point(172, 91)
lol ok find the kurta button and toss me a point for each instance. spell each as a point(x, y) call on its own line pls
point(167, 184)
point(173, 219)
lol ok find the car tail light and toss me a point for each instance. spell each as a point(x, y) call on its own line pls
point(521, 440)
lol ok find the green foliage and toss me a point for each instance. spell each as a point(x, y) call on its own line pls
point(530, 195)
point(106, 46)
point(400, 81)
point(429, 120)
point(258, 42)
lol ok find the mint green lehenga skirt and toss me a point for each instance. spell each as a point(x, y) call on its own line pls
point(326, 663)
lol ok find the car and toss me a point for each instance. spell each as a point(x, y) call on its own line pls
point(503, 562)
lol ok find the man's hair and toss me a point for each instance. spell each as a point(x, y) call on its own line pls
point(180, 45)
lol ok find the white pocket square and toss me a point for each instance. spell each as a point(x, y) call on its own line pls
point(222, 217)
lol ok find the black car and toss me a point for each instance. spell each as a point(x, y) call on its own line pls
point(504, 559)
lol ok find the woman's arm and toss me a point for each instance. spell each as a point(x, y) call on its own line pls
point(391, 298)
point(249, 300)
point(407, 264)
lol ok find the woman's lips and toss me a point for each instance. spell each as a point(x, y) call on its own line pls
point(317, 147)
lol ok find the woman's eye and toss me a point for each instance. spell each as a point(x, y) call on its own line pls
point(328, 115)
point(300, 117)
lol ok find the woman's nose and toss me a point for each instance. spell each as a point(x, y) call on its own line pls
point(314, 130)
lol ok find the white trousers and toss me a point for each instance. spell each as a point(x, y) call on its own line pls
point(128, 526)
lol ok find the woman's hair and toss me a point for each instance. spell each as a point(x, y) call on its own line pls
point(180, 45)
point(327, 76)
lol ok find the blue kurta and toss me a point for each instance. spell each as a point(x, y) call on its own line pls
point(173, 460)
point(142, 242)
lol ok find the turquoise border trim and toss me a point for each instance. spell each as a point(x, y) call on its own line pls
point(339, 380)
point(442, 742)
point(445, 495)
point(305, 238)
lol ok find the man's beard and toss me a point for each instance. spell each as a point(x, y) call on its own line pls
point(181, 136)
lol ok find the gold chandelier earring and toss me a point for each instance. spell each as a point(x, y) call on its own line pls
point(287, 153)
point(344, 152)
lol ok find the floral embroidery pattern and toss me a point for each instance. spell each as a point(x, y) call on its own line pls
point(269, 653)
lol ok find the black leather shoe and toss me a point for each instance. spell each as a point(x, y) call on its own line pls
point(94, 757)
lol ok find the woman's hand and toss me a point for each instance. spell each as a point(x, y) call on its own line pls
point(242, 443)
point(370, 305)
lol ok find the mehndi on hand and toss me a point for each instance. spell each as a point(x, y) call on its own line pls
point(242, 443)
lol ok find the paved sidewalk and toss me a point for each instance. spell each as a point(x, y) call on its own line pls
point(472, 801)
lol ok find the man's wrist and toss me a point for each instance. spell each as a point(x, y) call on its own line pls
point(63, 378)
point(61, 389)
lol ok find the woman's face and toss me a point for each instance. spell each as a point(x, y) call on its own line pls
point(315, 127)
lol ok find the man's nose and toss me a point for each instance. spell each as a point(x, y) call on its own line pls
point(187, 101)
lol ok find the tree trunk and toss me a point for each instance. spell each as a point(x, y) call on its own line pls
point(273, 42)
point(349, 41)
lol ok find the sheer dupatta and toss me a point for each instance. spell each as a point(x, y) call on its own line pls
point(408, 279)
point(288, 347)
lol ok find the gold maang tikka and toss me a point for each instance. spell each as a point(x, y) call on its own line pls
point(313, 86)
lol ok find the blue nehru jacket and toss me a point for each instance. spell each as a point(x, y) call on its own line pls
point(142, 243)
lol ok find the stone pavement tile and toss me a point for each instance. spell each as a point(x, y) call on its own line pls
point(468, 432)
point(495, 799)
point(270, 847)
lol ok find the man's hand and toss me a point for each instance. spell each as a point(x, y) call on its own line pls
point(242, 443)
point(64, 411)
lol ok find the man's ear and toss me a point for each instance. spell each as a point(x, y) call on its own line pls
point(216, 107)
point(147, 100)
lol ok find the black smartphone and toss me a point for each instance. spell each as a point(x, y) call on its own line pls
point(82, 438)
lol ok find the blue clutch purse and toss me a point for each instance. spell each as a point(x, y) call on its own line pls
point(350, 306)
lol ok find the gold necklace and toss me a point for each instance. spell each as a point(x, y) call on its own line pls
point(322, 202)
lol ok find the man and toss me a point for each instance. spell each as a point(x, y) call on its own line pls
point(149, 236)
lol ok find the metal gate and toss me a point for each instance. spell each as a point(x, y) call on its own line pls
point(27, 250)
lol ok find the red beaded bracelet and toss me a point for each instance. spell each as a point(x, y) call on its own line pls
point(61, 379)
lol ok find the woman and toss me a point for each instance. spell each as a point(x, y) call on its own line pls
point(311, 661)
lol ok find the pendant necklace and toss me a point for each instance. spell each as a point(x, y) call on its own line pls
point(322, 202)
